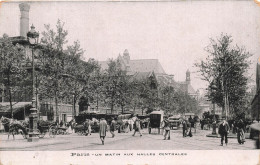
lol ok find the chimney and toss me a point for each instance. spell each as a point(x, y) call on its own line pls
point(24, 20)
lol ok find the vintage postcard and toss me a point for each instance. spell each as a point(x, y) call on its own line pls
point(130, 82)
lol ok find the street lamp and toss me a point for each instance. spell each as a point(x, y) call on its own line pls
point(33, 37)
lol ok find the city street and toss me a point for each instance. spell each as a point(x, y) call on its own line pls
point(125, 141)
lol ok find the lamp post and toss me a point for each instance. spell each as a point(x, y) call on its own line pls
point(33, 37)
point(73, 107)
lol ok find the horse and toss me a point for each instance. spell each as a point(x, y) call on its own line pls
point(14, 127)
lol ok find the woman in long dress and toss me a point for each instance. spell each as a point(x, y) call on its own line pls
point(102, 130)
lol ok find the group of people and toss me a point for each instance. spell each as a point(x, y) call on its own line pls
point(103, 127)
point(224, 129)
point(186, 127)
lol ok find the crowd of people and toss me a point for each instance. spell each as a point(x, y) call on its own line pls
point(135, 124)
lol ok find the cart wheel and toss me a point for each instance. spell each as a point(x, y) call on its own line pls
point(59, 132)
point(24, 135)
point(52, 132)
point(41, 135)
point(79, 132)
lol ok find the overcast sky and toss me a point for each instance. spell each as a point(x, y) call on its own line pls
point(176, 33)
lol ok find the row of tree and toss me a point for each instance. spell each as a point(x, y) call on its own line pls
point(62, 73)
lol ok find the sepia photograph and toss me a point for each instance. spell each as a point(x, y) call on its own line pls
point(141, 77)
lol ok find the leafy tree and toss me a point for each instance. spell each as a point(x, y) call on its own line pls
point(115, 78)
point(168, 99)
point(53, 62)
point(145, 94)
point(12, 56)
point(225, 70)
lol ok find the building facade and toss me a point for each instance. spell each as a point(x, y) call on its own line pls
point(147, 68)
point(255, 104)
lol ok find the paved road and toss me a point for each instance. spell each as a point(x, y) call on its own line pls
point(125, 141)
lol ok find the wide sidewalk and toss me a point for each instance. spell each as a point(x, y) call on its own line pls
point(123, 141)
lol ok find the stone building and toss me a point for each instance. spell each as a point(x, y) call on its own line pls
point(145, 68)
point(186, 86)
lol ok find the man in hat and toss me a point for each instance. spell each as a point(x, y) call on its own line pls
point(184, 128)
point(241, 128)
point(86, 127)
point(223, 131)
point(102, 130)
point(166, 126)
point(113, 127)
point(89, 127)
point(137, 127)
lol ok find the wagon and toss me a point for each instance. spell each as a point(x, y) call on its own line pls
point(46, 126)
point(80, 130)
point(156, 118)
point(56, 130)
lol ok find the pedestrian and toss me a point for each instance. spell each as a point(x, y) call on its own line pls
point(189, 129)
point(61, 123)
point(223, 131)
point(126, 129)
point(89, 127)
point(131, 122)
point(184, 128)
point(166, 126)
point(113, 127)
point(202, 124)
point(102, 130)
point(137, 127)
point(241, 128)
point(86, 127)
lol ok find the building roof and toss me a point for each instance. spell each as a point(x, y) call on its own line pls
point(186, 87)
point(5, 107)
point(103, 64)
point(142, 75)
point(146, 65)
point(142, 65)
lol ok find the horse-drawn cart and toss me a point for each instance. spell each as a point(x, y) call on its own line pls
point(156, 118)
point(15, 127)
point(46, 126)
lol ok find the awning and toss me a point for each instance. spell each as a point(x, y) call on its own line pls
point(5, 107)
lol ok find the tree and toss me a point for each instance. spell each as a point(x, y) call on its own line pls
point(116, 85)
point(168, 99)
point(78, 76)
point(148, 94)
point(53, 62)
point(12, 56)
point(225, 70)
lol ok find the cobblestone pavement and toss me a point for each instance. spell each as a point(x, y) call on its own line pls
point(125, 141)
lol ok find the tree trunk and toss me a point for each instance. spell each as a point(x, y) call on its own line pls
point(10, 101)
point(56, 107)
point(112, 106)
point(112, 103)
point(10, 96)
point(74, 106)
